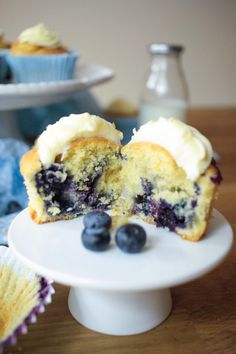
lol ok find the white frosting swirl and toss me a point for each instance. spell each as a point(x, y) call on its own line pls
point(191, 150)
point(55, 139)
point(41, 36)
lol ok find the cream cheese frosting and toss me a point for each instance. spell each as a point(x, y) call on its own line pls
point(191, 150)
point(55, 139)
point(41, 36)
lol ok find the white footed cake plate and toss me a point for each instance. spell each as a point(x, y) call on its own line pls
point(113, 292)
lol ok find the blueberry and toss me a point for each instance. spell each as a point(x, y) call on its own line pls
point(147, 186)
point(169, 215)
point(130, 238)
point(97, 219)
point(197, 188)
point(218, 178)
point(96, 239)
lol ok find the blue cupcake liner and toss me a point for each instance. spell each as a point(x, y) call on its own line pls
point(43, 68)
point(3, 65)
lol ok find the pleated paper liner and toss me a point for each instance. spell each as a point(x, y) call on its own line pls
point(23, 295)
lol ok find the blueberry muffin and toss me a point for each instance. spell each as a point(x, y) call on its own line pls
point(171, 179)
point(73, 169)
point(165, 175)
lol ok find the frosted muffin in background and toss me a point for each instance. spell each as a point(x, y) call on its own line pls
point(124, 114)
point(3, 43)
point(38, 56)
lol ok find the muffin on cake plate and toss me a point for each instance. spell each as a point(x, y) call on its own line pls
point(164, 176)
point(38, 56)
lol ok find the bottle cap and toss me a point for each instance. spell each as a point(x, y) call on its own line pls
point(165, 48)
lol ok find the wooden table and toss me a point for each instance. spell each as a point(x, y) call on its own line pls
point(203, 319)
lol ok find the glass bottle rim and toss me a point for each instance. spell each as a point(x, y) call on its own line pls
point(165, 48)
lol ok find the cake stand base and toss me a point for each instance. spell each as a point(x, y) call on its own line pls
point(119, 313)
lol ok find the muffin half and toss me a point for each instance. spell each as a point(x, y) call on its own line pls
point(82, 174)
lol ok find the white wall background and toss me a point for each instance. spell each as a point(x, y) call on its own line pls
point(116, 32)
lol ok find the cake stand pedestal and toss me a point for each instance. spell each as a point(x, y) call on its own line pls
point(113, 292)
point(119, 313)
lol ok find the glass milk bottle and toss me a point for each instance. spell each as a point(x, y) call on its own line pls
point(165, 93)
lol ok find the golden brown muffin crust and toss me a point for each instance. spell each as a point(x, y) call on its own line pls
point(27, 48)
point(30, 163)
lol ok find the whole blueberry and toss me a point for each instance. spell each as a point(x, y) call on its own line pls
point(96, 239)
point(130, 238)
point(97, 219)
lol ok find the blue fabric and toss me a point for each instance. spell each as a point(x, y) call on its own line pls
point(5, 222)
point(13, 196)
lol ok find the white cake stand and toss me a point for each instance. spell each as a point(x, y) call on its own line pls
point(113, 292)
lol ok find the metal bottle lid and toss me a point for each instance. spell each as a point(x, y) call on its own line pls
point(165, 48)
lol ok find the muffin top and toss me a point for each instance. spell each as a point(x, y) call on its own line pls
point(37, 40)
point(55, 139)
point(191, 150)
point(41, 36)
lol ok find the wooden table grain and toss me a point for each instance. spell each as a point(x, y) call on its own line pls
point(203, 318)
